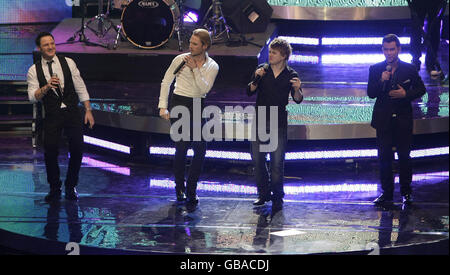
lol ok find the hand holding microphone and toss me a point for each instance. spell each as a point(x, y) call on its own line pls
point(386, 77)
point(296, 83)
point(54, 82)
point(260, 73)
point(188, 61)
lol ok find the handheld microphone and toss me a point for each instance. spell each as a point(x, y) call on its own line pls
point(59, 85)
point(258, 77)
point(386, 82)
point(179, 67)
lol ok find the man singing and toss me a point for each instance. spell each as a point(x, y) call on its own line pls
point(56, 82)
point(394, 84)
point(195, 73)
point(273, 83)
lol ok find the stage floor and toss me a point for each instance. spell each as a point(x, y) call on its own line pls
point(127, 208)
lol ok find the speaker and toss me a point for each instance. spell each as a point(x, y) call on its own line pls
point(247, 16)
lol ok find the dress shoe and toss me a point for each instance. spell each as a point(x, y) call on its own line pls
point(407, 199)
point(53, 195)
point(71, 194)
point(277, 206)
point(191, 204)
point(181, 197)
point(260, 201)
point(383, 199)
point(192, 200)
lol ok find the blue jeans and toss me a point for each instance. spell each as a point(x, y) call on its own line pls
point(270, 185)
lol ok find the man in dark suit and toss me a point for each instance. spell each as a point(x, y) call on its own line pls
point(394, 84)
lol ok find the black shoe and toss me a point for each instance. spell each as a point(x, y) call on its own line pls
point(71, 194)
point(407, 199)
point(277, 206)
point(192, 200)
point(260, 201)
point(181, 197)
point(191, 204)
point(383, 199)
point(53, 195)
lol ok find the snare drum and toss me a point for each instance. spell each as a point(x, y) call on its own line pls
point(149, 24)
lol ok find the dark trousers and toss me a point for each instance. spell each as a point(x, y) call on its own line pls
point(270, 176)
point(181, 147)
point(71, 122)
point(398, 135)
point(425, 10)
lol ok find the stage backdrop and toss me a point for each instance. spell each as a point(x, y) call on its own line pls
point(34, 11)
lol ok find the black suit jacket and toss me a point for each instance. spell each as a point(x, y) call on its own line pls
point(406, 76)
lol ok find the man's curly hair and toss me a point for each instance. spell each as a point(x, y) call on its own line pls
point(282, 46)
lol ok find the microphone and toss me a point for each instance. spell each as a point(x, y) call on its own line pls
point(386, 82)
point(179, 67)
point(59, 85)
point(258, 77)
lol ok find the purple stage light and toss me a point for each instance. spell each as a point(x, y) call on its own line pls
point(309, 59)
point(352, 41)
point(312, 155)
point(106, 166)
point(251, 190)
point(340, 41)
point(168, 151)
point(107, 144)
point(427, 176)
point(190, 17)
point(361, 58)
point(301, 40)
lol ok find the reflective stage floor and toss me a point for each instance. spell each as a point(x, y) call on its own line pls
point(129, 208)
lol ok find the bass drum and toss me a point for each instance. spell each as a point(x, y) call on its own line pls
point(149, 24)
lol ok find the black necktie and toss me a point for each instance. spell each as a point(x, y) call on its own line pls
point(49, 63)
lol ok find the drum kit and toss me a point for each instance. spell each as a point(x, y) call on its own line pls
point(149, 24)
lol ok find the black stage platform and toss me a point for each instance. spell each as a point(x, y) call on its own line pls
point(129, 208)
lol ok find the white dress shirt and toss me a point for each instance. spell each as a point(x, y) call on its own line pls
point(78, 83)
point(196, 83)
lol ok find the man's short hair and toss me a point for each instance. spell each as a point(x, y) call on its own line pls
point(42, 34)
point(282, 46)
point(391, 38)
point(204, 37)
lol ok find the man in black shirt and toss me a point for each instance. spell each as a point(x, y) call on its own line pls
point(273, 82)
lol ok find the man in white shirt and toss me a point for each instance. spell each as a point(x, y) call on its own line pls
point(195, 73)
point(56, 82)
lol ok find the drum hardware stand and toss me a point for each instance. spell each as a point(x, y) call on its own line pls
point(102, 30)
point(179, 24)
point(242, 41)
point(217, 24)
